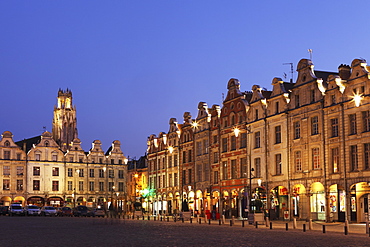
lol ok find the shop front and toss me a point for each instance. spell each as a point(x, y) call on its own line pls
point(279, 202)
point(337, 203)
point(317, 201)
point(299, 202)
point(55, 201)
point(360, 202)
point(36, 200)
point(258, 200)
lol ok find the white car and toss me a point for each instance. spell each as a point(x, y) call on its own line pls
point(48, 211)
point(16, 209)
point(33, 210)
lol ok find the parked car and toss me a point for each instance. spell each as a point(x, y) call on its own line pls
point(66, 211)
point(33, 210)
point(99, 212)
point(4, 210)
point(16, 209)
point(48, 211)
point(80, 211)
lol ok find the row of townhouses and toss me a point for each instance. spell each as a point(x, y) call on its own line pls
point(53, 169)
point(300, 150)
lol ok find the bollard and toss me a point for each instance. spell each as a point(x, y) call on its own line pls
point(286, 226)
point(294, 223)
point(148, 217)
point(155, 218)
point(242, 223)
point(160, 219)
point(231, 223)
point(223, 219)
point(270, 225)
point(232, 219)
point(367, 227)
point(369, 232)
point(219, 221)
point(304, 227)
point(209, 221)
point(143, 217)
point(168, 219)
point(182, 219)
point(138, 217)
point(323, 229)
point(174, 218)
point(256, 224)
point(191, 220)
point(345, 230)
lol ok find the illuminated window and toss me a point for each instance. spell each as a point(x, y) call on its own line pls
point(278, 164)
point(335, 159)
point(20, 184)
point(36, 171)
point(36, 185)
point(6, 184)
point(315, 158)
point(55, 171)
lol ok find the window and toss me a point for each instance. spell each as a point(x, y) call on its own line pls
point(70, 172)
point(91, 173)
point(298, 161)
point(352, 124)
point(55, 186)
point(233, 169)
point(256, 115)
point(91, 186)
point(169, 161)
point(175, 160)
point(315, 125)
point(175, 179)
point(36, 171)
point(164, 181)
point(69, 185)
point(120, 186)
point(312, 95)
point(37, 156)
point(224, 170)
point(215, 157)
point(81, 173)
point(205, 146)
point(335, 160)
point(366, 121)
point(297, 130)
point(184, 157)
point(215, 139)
point(6, 170)
point(199, 173)
point(243, 140)
point(257, 139)
point(19, 156)
point(71, 159)
point(6, 184)
point(6, 155)
point(101, 186)
point(334, 127)
point(199, 148)
point(55, 171)
point(243, 168)
point(120, 174)
point(257, 167)
point(277, 107)
point(296, 99)
point(20, 170)
point(367, 156)
point(184, 177)
point(353, 158)
point(333, 100)
point(20, 184)
point(7, 144)
point(111, 173)
point(36, 185)
point(170, 184)
point(233, 143)
point(55, 157)
point(101, 173)
point(215, 177)
point(224, 145)
point(80, 185)
point(315, 158)
point(190, 176)
point(277, 134)
point(278, 164)
point(112, 161)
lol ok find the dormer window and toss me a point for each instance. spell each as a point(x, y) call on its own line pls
point(7, 143)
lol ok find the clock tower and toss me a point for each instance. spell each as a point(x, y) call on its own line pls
point(64, 121)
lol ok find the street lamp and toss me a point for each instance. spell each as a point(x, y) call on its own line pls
point(250, 188)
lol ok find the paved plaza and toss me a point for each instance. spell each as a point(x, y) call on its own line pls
point(56, 231)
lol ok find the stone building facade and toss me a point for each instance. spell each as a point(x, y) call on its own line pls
point(300, 150)
point(53, 169)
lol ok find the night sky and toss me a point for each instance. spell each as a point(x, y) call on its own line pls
point(132, 65)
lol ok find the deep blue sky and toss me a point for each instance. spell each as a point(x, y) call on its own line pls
point(132, 65)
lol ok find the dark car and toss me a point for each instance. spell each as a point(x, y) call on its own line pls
point(66, 211)
point(4, 210)
point(80, 211)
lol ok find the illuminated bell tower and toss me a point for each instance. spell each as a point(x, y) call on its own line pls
point(64, 121)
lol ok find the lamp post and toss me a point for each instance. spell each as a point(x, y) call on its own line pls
point(250, 188)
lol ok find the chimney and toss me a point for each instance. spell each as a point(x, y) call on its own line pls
point(344, 71)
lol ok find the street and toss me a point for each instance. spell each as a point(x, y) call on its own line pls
point(74, 231)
